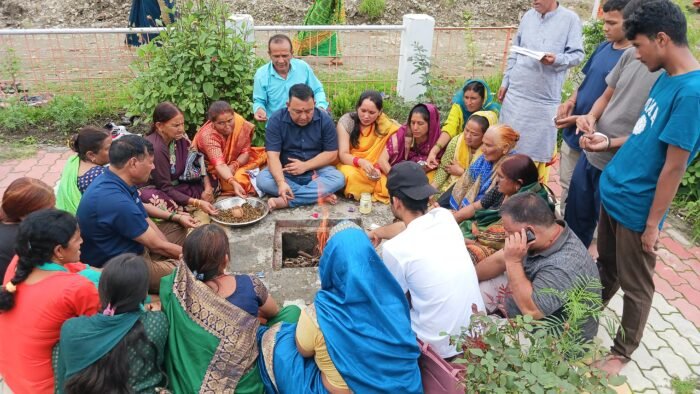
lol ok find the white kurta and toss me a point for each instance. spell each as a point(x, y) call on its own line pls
point(534, 89)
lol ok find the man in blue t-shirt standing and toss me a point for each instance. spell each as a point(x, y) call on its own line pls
point(302, 145)
point(597, 68)
point(638, 185)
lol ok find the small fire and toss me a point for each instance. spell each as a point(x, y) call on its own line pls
point(323, 232)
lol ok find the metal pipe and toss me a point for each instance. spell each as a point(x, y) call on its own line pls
point(126, 30)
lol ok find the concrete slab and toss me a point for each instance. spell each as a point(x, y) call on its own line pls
point(252, 247)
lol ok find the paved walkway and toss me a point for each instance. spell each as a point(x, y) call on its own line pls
point(671, 344)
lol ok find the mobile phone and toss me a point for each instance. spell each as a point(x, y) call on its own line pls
point(530, 236)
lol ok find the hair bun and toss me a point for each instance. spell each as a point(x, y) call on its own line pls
point(73, 143)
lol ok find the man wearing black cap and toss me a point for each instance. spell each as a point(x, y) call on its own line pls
point(425, 252)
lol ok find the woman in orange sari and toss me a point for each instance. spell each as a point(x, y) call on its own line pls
point(224, 140)
point(362, 137)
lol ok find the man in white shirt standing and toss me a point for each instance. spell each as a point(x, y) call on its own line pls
point(425, 252)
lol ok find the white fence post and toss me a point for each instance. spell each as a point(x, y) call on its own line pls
point(242, 24)
point(418, 30)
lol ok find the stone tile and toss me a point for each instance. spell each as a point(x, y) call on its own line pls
point(673, 365)
point(681, 346)
point(644, 359)
point(691, 276)
point(616, 302)
point(689, 293)
point(685, 328)
point(24, 165)
point(636, 378)
point(604, 336)
point(656, 322)
point(689, 310)
point(670, 260)
point(49, 158)
point(669, 274)
point(663, 287)
point(661, 305)
point(696, 251)
point(680, 245)
point(651, 339)
point(659, 376)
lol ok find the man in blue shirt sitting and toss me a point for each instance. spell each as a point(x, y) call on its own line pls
point(273, 80)
point(112, 218)
point(302, 145)
point(638, 185)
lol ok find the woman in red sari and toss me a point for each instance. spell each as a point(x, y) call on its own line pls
point(225, 140)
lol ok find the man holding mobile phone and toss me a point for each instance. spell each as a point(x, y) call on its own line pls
point(540, 253)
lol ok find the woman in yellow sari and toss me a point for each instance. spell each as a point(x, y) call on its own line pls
point(362, 137)
point(225, 140)
point(463, 150)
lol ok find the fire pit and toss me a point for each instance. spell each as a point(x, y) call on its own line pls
point(296, 242)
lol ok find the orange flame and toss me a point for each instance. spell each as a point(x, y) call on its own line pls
point(323, 231)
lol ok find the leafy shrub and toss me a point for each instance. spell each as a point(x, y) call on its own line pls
point(195, 61)
point(373, 9)
point(522, 355)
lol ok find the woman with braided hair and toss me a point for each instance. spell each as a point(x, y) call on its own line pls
point(43, 287)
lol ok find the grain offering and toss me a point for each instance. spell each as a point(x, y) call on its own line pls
point(243, 214)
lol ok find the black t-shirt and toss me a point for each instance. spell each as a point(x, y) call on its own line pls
point(8, 234)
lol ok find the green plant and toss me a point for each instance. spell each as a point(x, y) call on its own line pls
point(688, 385)
point(373, 9)
point(197, 60)
point(438, 91)
point(11, 67)
point(522, 355)
point(469, 39)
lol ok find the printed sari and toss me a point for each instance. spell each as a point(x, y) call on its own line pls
point(402, 146)
point(219, 149)
point(211, 343)
point(486, 228)
point(371, 145)
point(475, 182)
point(458, 151)
point(321, 43)
point(367, 332)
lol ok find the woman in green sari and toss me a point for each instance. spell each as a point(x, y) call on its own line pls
point(321, 43)
point(214, 319)
point(120, 350)
point(481, 224)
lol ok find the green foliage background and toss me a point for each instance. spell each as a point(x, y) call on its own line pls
point(197, 60)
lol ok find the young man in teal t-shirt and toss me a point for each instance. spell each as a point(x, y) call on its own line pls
point(639, 184)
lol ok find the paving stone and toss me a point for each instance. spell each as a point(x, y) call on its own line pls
point(691, 276)
point(670, 275)
point(644, 359)
point(685, 328)
point(673, 365)
point(652, 340)
point(605, 339)
point(678, 243)
point(661, 305)
point(49, 158)
point(670, 260)
point(696, 251)
point(689, 293)
point(688, 310)
point(636, 378)
point(659, 376)
point(616, 303)
point(656, 322)
point(663, 287)
point(681, 346)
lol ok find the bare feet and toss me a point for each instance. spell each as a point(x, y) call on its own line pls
point(277, 203)
point(330, 199)
point(612, 364)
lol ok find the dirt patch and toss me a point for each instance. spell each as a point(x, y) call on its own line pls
point(115, 13)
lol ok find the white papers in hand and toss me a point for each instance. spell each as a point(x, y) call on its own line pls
point(527, 52)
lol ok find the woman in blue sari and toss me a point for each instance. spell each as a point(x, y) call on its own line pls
point(149, 13)
point(363, 341)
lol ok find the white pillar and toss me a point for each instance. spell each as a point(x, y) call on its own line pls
point(242, 24)
point(418, 29)
point(594, 13)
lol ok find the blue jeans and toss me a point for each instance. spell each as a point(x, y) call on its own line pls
point(305, 189)
point(583, 202)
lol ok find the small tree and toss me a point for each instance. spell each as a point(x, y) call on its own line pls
point(197, 60)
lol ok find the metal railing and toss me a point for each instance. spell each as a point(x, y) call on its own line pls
point(94, 62)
